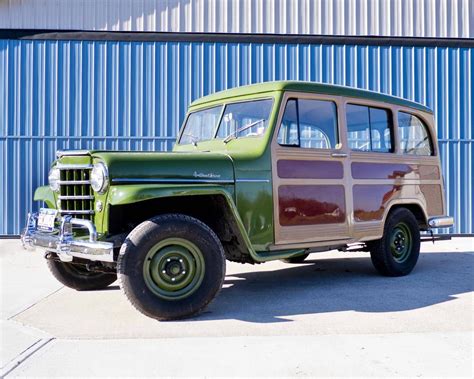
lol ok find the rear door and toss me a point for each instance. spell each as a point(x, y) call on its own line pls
point(310, 171)
point(375, 168)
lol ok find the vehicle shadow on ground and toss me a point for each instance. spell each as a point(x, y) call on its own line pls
point(334, 285)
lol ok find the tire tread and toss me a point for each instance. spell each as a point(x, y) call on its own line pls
point(143, 231)
point(381, 258)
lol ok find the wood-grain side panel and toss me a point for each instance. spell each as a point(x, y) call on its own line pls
point(434, 199)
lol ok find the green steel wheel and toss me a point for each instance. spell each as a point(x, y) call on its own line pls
point(77, 277)
point(174, 268)
point(400, 242)
point(171, 267)
point(397, 252)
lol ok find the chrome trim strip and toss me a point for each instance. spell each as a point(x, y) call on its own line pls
point(61, 166)
point(76, 197)
point(252, 180)
point(72, 182)
point(81, 212)
point(441, 222)
point(62, 153)
point(176, 180)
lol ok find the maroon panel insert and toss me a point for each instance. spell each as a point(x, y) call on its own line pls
point(311, 205)
point(299, 169)
point(370, 200)
point(363, 170)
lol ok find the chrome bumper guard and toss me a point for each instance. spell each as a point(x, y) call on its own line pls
point(440, 222)
point(63, 243)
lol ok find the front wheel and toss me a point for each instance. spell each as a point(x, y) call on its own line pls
point(397, 252)
point(171, 267)
point(77, 276)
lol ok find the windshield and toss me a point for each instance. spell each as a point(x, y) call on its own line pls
point(243, 119)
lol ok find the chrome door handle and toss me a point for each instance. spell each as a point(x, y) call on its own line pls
point(339, 155)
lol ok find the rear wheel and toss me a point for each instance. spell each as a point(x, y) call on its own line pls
point(171, 267)
point(397, 252)
point(77, 276)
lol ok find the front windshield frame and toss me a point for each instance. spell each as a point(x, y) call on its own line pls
point(224, 105)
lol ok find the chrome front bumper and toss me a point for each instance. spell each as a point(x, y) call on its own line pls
point(63, 243)
point(440, 222)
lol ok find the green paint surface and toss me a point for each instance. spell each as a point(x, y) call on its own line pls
point(300, 86)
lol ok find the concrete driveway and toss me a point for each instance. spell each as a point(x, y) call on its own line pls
point(331, 316)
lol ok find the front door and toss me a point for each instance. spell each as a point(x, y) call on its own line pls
point(309, 168)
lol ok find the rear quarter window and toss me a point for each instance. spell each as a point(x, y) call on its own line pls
point(413, 135)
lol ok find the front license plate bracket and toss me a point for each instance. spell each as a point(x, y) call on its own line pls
point(47, 219)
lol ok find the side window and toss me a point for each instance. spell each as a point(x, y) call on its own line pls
point(358, 127)
point(381, 130)
point(413, 135)
point(309, 124)
point(369, 129)
point(318, 124)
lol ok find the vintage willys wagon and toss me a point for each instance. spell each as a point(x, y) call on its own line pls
point(262, 172)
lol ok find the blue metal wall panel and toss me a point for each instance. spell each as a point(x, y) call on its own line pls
point(131, 95)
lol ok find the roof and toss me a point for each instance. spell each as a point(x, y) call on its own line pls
point(300, 86)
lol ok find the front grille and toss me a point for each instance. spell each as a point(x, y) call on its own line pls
point(75, 192)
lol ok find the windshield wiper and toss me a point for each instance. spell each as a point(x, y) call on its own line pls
point(233, 135)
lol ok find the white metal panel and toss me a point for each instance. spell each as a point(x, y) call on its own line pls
point(407, 18)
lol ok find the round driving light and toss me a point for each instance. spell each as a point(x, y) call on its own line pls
point(99, 178)
point(54, 178)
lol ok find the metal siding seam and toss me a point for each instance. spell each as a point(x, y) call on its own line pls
point(422, 18)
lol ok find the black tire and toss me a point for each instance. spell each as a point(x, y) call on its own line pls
point(77, 277)
point(385, 254)
point(144, 271)
point(298, 259)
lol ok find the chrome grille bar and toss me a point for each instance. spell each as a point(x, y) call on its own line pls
point(62, 166)
point(73, 182)
point(76, 212)
point(77, 197)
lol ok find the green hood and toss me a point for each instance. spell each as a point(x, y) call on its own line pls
point(149, 167)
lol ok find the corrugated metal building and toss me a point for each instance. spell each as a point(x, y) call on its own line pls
point(82, 74)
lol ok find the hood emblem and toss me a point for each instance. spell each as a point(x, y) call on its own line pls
point(209, 175)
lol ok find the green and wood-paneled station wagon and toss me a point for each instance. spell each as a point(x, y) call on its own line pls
point(262, 172)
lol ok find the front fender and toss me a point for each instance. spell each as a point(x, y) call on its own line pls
point(128, 194)
point(44, 193)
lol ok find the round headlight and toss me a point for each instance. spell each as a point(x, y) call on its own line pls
point(53, 178)
point(99, 178)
